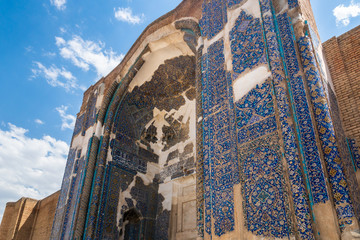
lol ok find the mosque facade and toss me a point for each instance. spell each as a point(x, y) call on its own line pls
point(221, 122)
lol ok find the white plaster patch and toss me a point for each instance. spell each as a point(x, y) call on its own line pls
point(99, 129)
point(166, 48)
point(166, 190)
point(252, 8)
point(285, 5)
point(245, 83)
point(207, 42)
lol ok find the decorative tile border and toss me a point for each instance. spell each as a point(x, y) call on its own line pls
point(302, 113)
point(299, 195)
point(326, 132)
point(219, 150)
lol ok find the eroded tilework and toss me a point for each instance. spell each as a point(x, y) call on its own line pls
point(87, 119)
point(91, 111)
point(344, 150)
point(78, 124)
point(299, 196)
point(339, 185)
point(247, 43)
point(112, 187)
point(232, 3)
point(302, 113)
point(293, 3)
point(68, 201)
point(355, 152)
point(263, 187)
point(214, 17)
point(220, 162)
point(61, 205)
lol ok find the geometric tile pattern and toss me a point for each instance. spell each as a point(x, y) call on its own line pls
point(326, 130)
point(214, 17)
point(263, 186)
point(299, 196)
point(302, 113)
point(247, 43)
point(219, 148)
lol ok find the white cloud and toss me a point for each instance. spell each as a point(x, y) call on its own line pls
point(126, 15)
point(38, 121)
point(68, 120)
point(59, 4)
point(29, 167)
point(85, 54)
point(62, 30)
point(343, 13)
point(56, 77)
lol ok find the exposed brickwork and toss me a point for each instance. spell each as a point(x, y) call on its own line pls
point(343, 58)
point(29, 218)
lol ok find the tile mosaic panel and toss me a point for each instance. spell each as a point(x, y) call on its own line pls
point(214, 18)
point(299, 195)
point(219, 150)
point(255, 115)
point(302, 112)
point(265, 200)
point(339, 185)
point(247, 43)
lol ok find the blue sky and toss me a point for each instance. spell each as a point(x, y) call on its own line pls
point(51, 51)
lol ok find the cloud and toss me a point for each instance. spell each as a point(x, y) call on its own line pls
point(56, 77)
point(85, 54)
point(38, 121)
point(68, 120)
point(59, 4)
point(126, 15)
point(30, 167)
point(343, 13)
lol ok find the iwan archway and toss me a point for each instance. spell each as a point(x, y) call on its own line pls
point(220, 123)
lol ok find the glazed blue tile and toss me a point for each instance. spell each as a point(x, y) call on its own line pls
point(302, 113)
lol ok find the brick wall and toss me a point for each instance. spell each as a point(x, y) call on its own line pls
point(343, 57)
point(29, 219)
